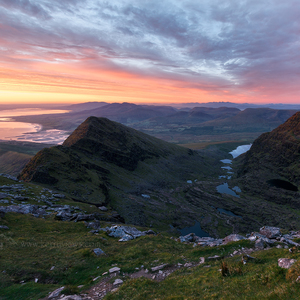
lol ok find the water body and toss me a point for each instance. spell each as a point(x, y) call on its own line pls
point(194, 229)
point(29, 132)
point(226, 161)
point(240, 150)
point(30, 112)
point(224, 189)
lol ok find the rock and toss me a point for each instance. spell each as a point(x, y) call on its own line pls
point(3, 195)
point(160, 267)
point(215, 257)
point(83, 217)
point(259, 244)
point(114, 270)
point(286, 241)
point(233, 238)
point(52, 268)
point(61, 196)
point(202, 260)
point(286, 263)
point(24, 209)
point(63, 216)
point(187, 238)
point(20, 198)
point(98, 251)
point(103, 208)
point(9, 177)
point(149, 232)
point(3, 227)
point(36, 280)
point(126, 233)
point(214, 243)
point(118, 281)
point(56, 293)
point(188, 265)
point(71, 297)
point(270, 232)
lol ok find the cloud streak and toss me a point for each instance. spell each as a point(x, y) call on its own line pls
point(246, 50)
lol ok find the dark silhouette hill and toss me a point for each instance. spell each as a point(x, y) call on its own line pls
point(271, 168)
point(106, 163)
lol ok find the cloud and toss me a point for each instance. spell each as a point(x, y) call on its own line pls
point(246, 46)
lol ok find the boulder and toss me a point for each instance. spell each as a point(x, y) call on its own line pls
point(157, 268)
point(114, 270)
point(71, 297)
point(56, 293)
point(260, 244)
point(3, 227)
point(24, 209)
point(286, 263)
point(189, 238)
point(118, 281)
point(126, 233)
point(233, 238)
point(98, 251)
point(270, 232)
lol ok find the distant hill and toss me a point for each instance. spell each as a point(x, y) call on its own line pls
point(251, 119)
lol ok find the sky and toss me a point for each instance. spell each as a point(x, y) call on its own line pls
point(149, 51)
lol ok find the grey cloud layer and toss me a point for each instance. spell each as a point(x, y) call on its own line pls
point(205, 44)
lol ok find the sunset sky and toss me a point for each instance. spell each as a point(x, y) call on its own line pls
point(149, 51)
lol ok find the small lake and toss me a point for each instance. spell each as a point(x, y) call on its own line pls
point(224, 189)
point(240, 150)
point(194, 229)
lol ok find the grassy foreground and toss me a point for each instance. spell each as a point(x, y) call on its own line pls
point(32, 247)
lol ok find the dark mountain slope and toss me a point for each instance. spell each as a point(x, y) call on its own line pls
point(270, 170)
point(106, 163)
point(277, 152)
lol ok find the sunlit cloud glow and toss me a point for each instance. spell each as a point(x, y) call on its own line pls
point(150, 51)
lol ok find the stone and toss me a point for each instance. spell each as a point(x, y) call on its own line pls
point(215, 257)
point(149, 232)
point(118, 281)
point(287, 241)
point(61, 196)
point(56, 293)
point(202, 260)
point(71, 297)
point(126, 233)
point(3, 227)
point(98, 251)
point(103, 208)
point(259, 244)
point(187, 238)
point(160, 267)
point(270, 232)
point(233, 238)
point(24, 209)
point(114, 270)
point(286, 263)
